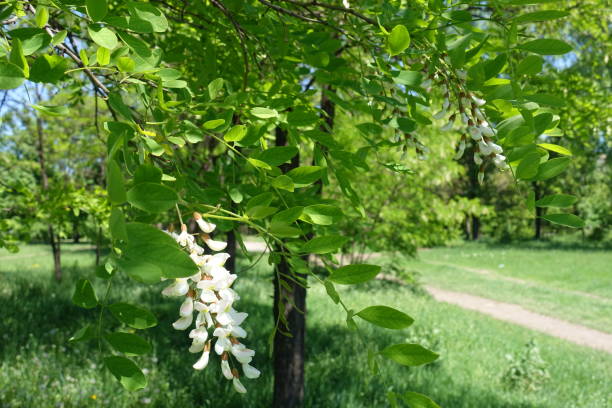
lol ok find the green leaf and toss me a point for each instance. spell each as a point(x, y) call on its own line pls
point(324, 244)
point(416, 400)
point(32, 39)
point(276, 156)
point(386, 317)
point(96, 9)
point(140, 269)
point(213, 124)
point(139, 47)
point(236, 133)
point(42, 16)
point(18, 58)
point(102, 36)
point(115, 184)
point(147, 18)
point(406, 125)
point(552, 168)
point(84, 295)
point(528, 167)
point(543, 15)
point(260, 199)
point(127, 372)
point(409, 354)
point(398, 40)
point(152, 197)
point(568, 220)
point(410, 78)
point(260, 211)
point(84, 333)
point(51, 110)
point(282, 230)
point(59, 37)
point(11, 76)
point(555, 148)
point(305, 175)
point(530, 65)
point(259, 163)
point(147, 173)
point(214, 87)
point(283, 182)
point(134, 316)
point(48, 69)
point(264, 113)
point(331, 291)
point(128, 343)
point(103, 56)
point(546, 47)
point(322, 214)
point(288, 216)
point(557, 200)
point(353, 274)
point(117, 225)
point(148, 245)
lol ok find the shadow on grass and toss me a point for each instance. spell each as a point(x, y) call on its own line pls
point(336, 359)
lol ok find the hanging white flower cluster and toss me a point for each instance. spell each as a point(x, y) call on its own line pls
point(480, 132)
point(209, 293)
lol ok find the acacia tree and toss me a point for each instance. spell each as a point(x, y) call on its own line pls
point(211, 100)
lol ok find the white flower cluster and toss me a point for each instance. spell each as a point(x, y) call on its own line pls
point(480, 132)
point(209, 293)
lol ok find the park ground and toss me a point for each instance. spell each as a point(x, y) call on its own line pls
point(569, 282)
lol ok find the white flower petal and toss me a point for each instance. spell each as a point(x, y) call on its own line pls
point(238, 386)
point(214, 245)
point(183, 323)
point(203, 361)
point(250, 371)
point(226, 370)
point(180, 287)
point(187, 307)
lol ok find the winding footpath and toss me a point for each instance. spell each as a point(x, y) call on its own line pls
point(518, 315)
point(512, 313)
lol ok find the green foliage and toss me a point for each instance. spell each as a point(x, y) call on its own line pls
point(527, 370)
point(202, 123)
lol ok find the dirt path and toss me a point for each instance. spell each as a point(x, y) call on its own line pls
point(516, 314)
point(512, 313)
point(492, 274)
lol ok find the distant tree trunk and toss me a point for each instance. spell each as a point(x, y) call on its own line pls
point(475, 227)
point(54, 240)
point(230, 264)
point(291, 302)
point(538, 213)
point(76, 235)
point(474, 192)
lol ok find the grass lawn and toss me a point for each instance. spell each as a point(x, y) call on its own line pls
point(570, 284)
point(38, 368)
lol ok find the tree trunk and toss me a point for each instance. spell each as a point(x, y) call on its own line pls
point(57, 254)
point(230, 264)
point(54, 240)
point(289, 351)
point(291, 302)
point(538, 213)
point(76, 235)
point(475, 227)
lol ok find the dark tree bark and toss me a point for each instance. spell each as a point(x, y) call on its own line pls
point(54, 240)
point(291, 302)
point(230, 264)
point(538, 213)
